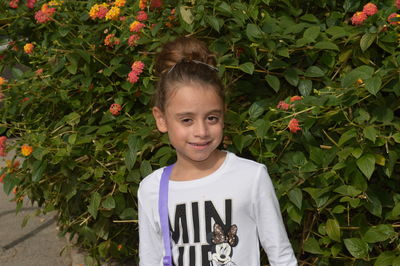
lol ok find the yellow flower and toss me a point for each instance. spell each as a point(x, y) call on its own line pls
point(113, 13)
point(26, 150)
point(28, 48)
point(120, 3)
point(55, 3)
point(2, 81)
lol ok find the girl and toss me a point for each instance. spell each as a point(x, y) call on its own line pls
point(220, 206)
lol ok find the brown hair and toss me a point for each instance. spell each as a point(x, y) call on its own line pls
point(182, 61)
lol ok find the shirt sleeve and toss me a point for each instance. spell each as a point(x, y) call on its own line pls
point(150, 240)
point(270, 227)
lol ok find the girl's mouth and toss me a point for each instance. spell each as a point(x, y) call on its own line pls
point(200, 145)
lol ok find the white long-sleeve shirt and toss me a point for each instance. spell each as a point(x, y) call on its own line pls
point(215, 220)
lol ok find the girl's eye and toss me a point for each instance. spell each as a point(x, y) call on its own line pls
point(186, 120)
point(213, 119)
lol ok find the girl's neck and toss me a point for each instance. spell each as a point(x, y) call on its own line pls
point(185, 170)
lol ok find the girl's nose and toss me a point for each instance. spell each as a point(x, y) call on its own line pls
point(201, 129)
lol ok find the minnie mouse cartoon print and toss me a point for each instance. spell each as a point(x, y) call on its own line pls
point(222, 246)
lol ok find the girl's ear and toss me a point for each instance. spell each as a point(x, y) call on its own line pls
point(160, 120)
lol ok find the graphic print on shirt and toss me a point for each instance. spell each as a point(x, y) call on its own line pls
point(202, 232)
point(222, 244)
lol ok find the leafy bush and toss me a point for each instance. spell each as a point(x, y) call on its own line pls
point(333, 153)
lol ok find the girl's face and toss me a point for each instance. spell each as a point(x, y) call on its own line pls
point(194, 120)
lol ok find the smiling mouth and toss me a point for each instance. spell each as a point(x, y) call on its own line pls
point(200, 145)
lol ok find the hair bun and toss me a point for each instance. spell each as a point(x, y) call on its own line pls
point(183, 49)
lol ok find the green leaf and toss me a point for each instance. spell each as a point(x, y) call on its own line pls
point(325, 45)
point(247, 68)
point(186, 14)
point(131, 154)
point(386, 258)
point(128, 213)
point(94, 204)
point(367, 164)
point(311, 246)
point(72, 118)
point(305, 87)
point(336, 32)
point(373, 85)
point(379, 233)
point(314, 72)
point(294, 214)
point(255, 110)
point(108, 203)
point(253, 32)
point(292, 77)
point(273, 82)
point(348, 191)
point(242, 141)
point(366, 40)
point(370, 133)
point(311, 33)
point(396, 261)
point(145, 168)
point(333, 229)
point(346, 136)
point(396, 209)
point(38, 169)
point(374, 205)
point(396, 137)
point(296, 196)
point(357, 247)
point(213, 22)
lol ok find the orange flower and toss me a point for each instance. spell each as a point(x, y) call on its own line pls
point(2, 81)
point(136, 26)
point(295, 98)
point(2, 177)
point(358, 18)
point(28, 48)
point(26, 150)
point(120, 3)
point(370, 9)
point(294, 125)
point(132, 39)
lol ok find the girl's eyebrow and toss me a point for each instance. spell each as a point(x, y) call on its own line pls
point(216, 111)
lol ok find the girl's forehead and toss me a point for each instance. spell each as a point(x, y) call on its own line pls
point(192, 97)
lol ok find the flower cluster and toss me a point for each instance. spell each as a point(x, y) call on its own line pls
point(136, 70)
point(30, 3)
point(3, 146)
point(46, 12)
point(111, 40)
point(113, 13)
point(133, 39)
point(285, 106)
point(28, 48)
point(141, 16)
point(397, 4)
point(2, 81)
point(294, 125)
point(360, 16)
point(14, 3)
point(115, 109)
point(153, 4)
point(136, 26)
point(104, 10)
point(26, 150)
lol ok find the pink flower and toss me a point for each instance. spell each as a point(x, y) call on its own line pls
point(132, 39)
point(136, 26)
point(370, 9)
point(394, 22)
point(397, 4)
point(115, 109)
point(45, 13)
point(294, 125)
point(283, 106)
point(102, 12)
point(3, 146)
point(295, 98)
point(358, 18)
point(39, 72)
point(30, 3)
point(111, 40)
point(14, 3)
point(141, 16)
point(137, 69)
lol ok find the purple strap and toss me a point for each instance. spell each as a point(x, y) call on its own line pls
point(163, 210)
